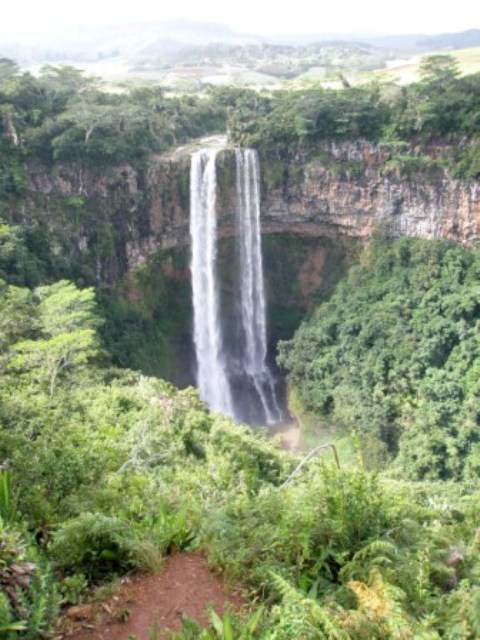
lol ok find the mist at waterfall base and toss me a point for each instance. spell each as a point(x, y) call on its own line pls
point(233, 375)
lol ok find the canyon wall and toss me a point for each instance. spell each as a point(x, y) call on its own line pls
point(349, 190)
point(356, 189)
point(126, 230)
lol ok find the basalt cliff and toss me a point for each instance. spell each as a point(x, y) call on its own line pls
point(350, 190)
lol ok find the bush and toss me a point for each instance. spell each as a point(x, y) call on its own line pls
point(72, 588)
point(465, 162)
point(99, 546)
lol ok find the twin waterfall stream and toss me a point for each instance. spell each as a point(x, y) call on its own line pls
point(220, 374)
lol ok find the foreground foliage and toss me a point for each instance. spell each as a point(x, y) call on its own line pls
point(108, 470)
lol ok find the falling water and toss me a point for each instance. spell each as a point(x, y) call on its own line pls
point(252, 289)
point(212, 377)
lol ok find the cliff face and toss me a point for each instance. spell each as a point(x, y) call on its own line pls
point(351, 191)
point(116, 219)
point(129, 228)
point(354, 190)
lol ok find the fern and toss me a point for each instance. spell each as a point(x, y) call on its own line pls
point(381, 603)
point(40, 601)
point(316, 616)
point(377, 553)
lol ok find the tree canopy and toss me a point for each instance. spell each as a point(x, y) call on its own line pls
point(64, 115)
point(395, 355)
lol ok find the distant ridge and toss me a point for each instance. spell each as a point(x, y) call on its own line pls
point(462, 40)
point(161, 42)
point(408, 41)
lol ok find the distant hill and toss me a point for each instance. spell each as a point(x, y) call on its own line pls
point(185, 54)
point(413, 42)
point(463, 40)
point(416, 43)
point(97, 43)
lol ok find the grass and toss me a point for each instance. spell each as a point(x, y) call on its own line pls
point(468, 61)
point(404, 72)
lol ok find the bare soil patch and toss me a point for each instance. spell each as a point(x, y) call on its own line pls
point(185, 587)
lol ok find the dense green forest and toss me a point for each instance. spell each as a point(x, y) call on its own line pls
point(394, 355)
point(104, 471)
point(65, 116)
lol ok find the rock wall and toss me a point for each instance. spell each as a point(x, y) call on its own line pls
point(349, 191)
point(353, 192)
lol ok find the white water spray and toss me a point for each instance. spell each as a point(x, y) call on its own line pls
point(252, 288)
point(212, 377)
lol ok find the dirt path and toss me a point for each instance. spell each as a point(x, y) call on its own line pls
point(186, 586)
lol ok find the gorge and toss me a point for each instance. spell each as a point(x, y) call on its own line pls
point(126, 229)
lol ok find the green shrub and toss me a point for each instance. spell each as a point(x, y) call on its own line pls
point(312, 527)
point(99, 546)
point(168, 530)
point(411, 167)
point(72, 588)
point(464, 163)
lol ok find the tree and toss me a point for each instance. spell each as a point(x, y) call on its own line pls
point(66, 78)
point(16, 312)
point(8, 69)
point(437, 106)
point(439, 69)
point(65, 308)
point(17, 263)
point(67, 323)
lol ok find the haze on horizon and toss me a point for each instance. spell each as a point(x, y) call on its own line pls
point(37, 20)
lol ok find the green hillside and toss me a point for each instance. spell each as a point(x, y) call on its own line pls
point(406, 71)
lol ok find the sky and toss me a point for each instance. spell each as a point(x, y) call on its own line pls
point(20, 17)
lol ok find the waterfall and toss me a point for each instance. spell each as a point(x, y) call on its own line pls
point(240, 364)
point(212, 380)
point(252, 288)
